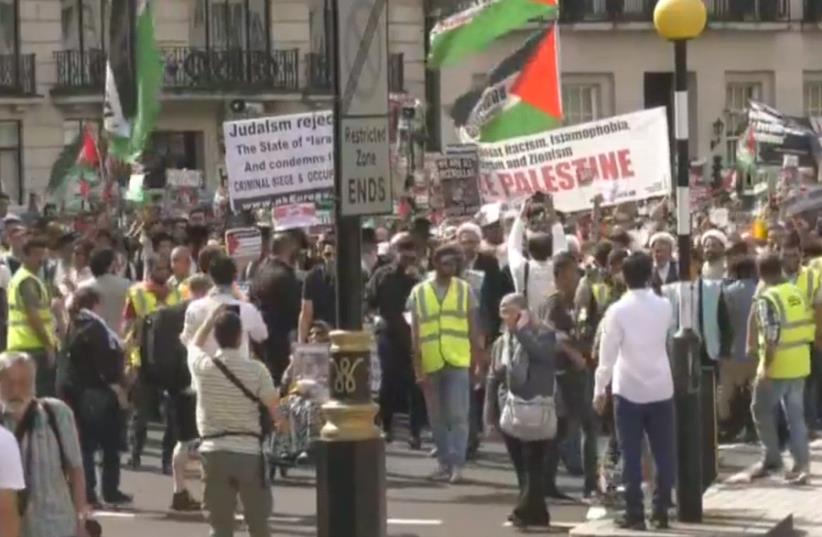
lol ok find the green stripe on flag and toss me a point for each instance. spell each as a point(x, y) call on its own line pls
point(473, 29)
point(520, 119)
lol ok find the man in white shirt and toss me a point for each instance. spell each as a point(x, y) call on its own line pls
point(223, 272)
point(534, 276)
point(11, 481)
point(633, 352)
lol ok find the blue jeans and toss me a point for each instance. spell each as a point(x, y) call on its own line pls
point(450, 395)
point(633, 422)
point(768, 394)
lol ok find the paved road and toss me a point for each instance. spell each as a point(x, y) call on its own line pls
point(416, 508)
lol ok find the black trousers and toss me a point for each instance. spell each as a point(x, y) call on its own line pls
point(398, 388)
point(99, 426)
point(528, 459)
point(576, 390)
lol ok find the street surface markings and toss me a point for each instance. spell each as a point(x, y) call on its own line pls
point(275, 518)
point(414, 522)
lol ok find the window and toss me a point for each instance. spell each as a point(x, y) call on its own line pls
point(8, 26)
point(581, 103)
point(10, 160)
point(230, 24)
point(84, 24)
point(319, 25)
point(737, 95)
point(813, 98)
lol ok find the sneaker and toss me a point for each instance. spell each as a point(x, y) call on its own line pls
point(659, 521)
point(415, 443)
point(433, 453)
point(440, 474)
point(800, 478)
point(456, 476)
point(182, 501)
point(118, 498)
point(627, 522)
point(762, 469)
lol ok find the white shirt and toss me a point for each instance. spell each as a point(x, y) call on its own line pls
point(253, 325)
point(663, 270)
point(633, 348)
point(540, 283)
point(11, 468)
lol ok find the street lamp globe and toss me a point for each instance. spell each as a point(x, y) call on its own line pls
point(680, 19)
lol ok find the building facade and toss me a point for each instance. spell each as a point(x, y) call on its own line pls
point(223, 59)
point(613, 62)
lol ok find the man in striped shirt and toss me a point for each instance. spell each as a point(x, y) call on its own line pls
point(229, 424)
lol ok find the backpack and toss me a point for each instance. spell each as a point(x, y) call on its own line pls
point(163, 355)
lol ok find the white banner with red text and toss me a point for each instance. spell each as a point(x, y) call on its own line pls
point(624, 158)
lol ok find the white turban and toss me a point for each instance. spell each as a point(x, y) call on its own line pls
point(714, 234)
point(662, 236)
point(470, 227)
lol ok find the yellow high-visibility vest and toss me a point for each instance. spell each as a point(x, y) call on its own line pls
point(145, 303)
point(443, 325)
point(808, 283)
point(602, 295)
point(21, 336)
point(792, 357)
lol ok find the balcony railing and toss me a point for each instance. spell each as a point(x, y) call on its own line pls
point(17, 75)
point(749, 10)
point(80, 71)
point(201, 69)
point(319, 76)
point(813, 10)
point(318, 73)
point(396, 73)
point(606, 10)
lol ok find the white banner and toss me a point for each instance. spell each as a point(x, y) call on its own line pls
point(184, 178)
point(280, 160)
point(299, 215)
point(624, 158)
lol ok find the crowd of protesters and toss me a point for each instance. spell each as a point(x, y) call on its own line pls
point(549, 331)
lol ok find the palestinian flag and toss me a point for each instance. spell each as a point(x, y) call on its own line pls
point(134, 78)
point(472, 29)
point(523, 96)
point(79, 162)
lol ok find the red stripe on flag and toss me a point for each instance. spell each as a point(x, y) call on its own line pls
point(538, 84)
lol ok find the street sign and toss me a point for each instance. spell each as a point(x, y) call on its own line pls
point(365, 168)
point(364, 172)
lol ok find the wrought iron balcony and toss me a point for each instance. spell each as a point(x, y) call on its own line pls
point(813, 10)
point(748, 10)
point(251, 71)
point(318, 73)
point(319, 77)
point(606, 10)
point(17, 75)
point(80, 71)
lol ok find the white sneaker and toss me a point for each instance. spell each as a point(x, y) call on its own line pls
point(440, 474)
point(456, 476)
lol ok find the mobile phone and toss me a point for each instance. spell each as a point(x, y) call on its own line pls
point(235, 308)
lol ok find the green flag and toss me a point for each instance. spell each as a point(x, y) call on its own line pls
point(134, 78)
point(472, 29)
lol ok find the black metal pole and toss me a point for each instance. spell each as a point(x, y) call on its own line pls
point(686, 359)
point(350, 453)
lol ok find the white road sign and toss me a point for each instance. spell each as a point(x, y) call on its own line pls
point(362, 51)
point(365, 168)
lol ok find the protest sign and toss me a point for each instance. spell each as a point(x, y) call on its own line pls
point(243, 244)
point(624, 158)
point(457, 172)
point(776, 136)
point(298, 215)
point(280, 160)
point(184, 178)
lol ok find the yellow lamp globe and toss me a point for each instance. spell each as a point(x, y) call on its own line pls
point(680, 19)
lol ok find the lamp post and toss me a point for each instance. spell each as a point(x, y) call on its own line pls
point(679, 21)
